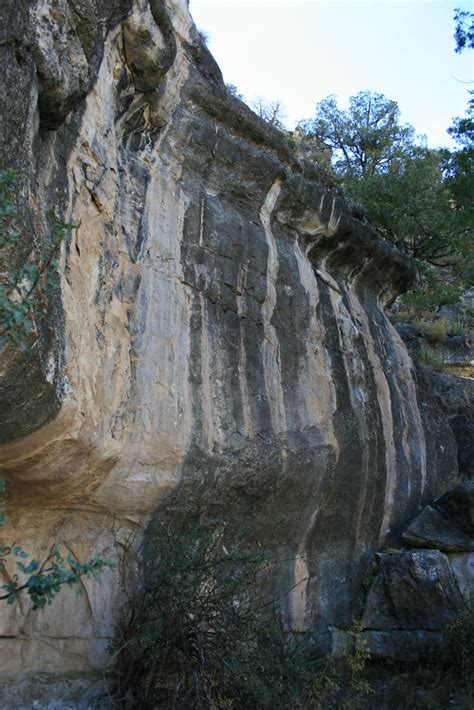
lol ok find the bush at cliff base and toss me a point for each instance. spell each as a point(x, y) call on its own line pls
point(202, 633)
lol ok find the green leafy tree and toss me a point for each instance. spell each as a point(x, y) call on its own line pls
point(312, 149)
point(412, 204)
point(420, 199)
point(459, 164)
point(233, 90)
point(366, 139)
point(459, 173)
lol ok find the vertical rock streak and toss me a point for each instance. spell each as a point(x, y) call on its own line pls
point(270, 346)
point(208, 374)
point(315, 377)
point(242, 362)
point(385, 406)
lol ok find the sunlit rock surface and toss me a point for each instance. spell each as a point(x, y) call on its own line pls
point(219, 317)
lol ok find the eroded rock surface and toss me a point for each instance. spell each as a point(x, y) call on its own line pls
point(451, 395)
point(219, 317)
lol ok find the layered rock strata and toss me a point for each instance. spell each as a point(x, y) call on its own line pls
point(219, 316)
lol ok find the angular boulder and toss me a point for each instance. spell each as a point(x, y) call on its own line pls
point(403, 646)
point(431, 529)
point(413, 590)
point(458, 506)
point(462, 566)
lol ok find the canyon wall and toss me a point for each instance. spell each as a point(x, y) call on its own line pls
point(219, 317)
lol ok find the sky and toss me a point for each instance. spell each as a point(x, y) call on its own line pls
point(300, 51)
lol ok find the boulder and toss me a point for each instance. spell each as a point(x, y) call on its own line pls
point(403, 646)
point(413, 590)
point(431, 529)
point(458, 506)
point(462, 567)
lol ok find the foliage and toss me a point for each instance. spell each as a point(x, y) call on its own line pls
point(459, 175)
point(20, 294)
point(443, 681)
point(419, 199)
point(203, 36)
point(433, 289)
point(412, 205)
point(22, 290)
point(365, 139)
point(464, 30)
point(201, 631)
point(432, 361)
point(440, 329)
point(234, 91)
point(42, 581)
point(311, 148)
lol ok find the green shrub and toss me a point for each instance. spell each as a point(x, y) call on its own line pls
point(435, 332)
point(430, 360)
point(203, 632)
point(439, 330)
point(399, 316)
point(42, 581)
point(443, 681)
point(457, 328)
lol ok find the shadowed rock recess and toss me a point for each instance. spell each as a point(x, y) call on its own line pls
point(219, 317)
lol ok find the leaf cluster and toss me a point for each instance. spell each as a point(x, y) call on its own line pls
point(42, 581)
point(464, 30)
point(365, 139)
point(22, 289)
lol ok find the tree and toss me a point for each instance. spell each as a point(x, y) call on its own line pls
point(412, 205)
point(459, 172)
point(271, 111)
point(311, 148)
point(233, 90)
point(420, 199)
point(464, 31)
point(365, 139)
point(407, 190)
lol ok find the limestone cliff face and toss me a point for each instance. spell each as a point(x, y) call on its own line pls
point(219, 317)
